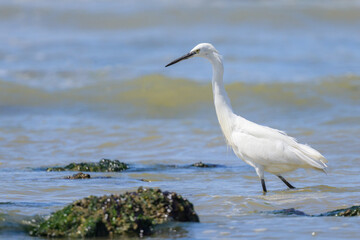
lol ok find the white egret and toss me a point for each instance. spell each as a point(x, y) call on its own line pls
point(264, 148)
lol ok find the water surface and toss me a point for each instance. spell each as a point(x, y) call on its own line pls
point(86, 80)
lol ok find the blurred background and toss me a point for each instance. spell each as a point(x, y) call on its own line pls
point(88, 49)
point(82, 80)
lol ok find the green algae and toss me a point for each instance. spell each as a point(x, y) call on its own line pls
point(104, 165)
point(132, 213)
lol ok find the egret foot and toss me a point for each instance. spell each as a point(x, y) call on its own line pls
point(263, 185)
point(286, 182)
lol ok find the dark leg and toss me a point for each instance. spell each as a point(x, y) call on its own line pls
point(263, 185)
point(286, 182)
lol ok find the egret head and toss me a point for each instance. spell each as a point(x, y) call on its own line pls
point(201, 50)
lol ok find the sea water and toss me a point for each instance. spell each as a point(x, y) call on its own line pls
point(85, 80)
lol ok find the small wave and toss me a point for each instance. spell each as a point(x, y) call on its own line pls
point(156, 95)
point(16, 224)
point(325, 188)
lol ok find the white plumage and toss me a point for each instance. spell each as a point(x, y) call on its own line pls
point(264, 148)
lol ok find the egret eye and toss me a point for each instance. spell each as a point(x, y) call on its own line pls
point(197, 50)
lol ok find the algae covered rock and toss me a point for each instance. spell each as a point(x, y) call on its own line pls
point(79, 175)
point(346, 212)
point(104, 165)
point(132, 213)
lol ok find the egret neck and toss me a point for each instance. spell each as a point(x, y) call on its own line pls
point(222, 103)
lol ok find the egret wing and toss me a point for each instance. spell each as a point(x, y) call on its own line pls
point(267, 145)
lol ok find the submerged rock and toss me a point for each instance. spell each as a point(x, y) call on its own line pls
point(203, 165)
point(289, 211)
point(132, 213)
point(346, 212)
point(79, 175)
point(104, 165)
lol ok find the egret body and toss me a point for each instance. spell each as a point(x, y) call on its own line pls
point(264, 148)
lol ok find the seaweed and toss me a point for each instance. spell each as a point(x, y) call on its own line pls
point(104, 165)
point(131, 213)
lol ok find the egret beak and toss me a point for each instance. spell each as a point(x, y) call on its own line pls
point(186, 56)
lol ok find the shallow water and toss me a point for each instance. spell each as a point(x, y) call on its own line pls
point(85, 81)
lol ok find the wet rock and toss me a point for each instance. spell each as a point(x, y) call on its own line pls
point(203, 165)
point(79, 175)
point(104, 165)
point(346, 212)
point(132, 213)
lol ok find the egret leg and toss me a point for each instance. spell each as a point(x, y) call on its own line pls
point(260, 172)
point(263, 185)
point(286, 182)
